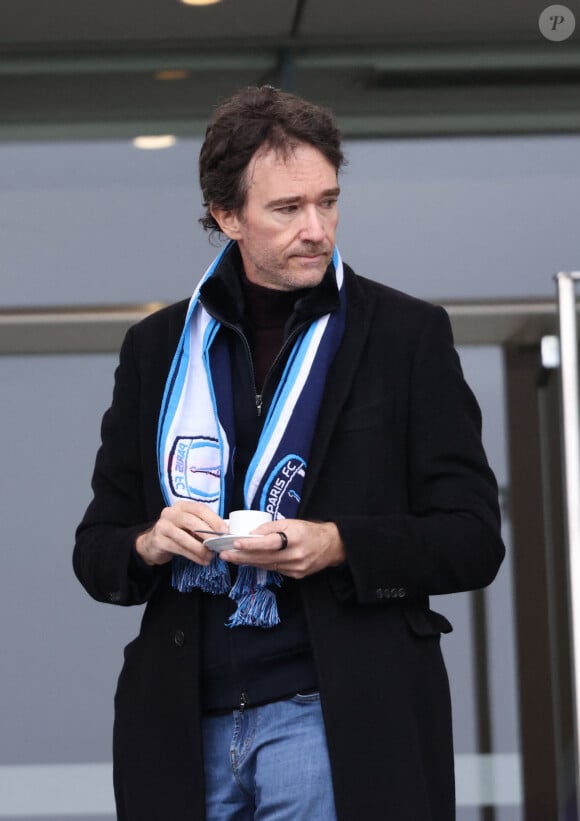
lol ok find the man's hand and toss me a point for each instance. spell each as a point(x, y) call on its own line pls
point(173, 534)
point(312, 546)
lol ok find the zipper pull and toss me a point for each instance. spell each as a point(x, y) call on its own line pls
point(243, 702)
point(259, 403)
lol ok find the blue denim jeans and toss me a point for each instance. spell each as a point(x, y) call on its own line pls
point(268, 763)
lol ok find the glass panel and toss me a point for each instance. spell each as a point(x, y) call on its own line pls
point(484, 686)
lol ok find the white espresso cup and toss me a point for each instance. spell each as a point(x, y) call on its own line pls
point(243, 522)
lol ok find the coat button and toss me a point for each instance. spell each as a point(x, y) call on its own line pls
point(402, 592)
point(179, 638)
point(379, 592)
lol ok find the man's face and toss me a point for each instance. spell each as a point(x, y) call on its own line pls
point(287, 226)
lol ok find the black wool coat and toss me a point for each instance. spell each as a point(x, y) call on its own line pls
point(397, 463)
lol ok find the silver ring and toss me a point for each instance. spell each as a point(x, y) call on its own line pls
point(284, 539)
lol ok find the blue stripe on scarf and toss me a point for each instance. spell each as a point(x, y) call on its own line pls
point(210, 334)
point(219, 363)
point(177, 375)
point(294, 446)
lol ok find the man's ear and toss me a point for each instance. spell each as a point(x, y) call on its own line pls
point(228, 221)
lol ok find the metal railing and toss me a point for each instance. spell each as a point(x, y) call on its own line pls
point(100, 329)
point(571, 467)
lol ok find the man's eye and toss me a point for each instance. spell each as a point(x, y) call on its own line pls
point(286, 209)
point(329, 203)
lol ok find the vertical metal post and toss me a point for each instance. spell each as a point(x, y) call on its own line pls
point(531, 590)
point(571, 458)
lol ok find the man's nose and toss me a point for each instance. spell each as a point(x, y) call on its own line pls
point(312, 228)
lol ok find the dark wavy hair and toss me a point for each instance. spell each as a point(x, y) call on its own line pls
point(251, 119)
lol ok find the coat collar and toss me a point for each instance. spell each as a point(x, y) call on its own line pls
point(222, 295)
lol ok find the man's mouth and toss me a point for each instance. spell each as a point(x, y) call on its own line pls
point(310, 254)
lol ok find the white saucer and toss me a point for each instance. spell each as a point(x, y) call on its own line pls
point(219, 543)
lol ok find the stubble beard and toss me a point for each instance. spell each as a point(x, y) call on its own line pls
point(291, 275)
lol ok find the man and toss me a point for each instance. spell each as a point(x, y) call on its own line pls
point(298, 674)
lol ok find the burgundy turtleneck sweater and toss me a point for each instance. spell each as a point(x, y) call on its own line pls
point(265, 316)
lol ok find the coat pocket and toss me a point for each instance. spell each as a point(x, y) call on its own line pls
point(425, 622)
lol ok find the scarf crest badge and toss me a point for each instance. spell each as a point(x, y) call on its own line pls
point(195, 442)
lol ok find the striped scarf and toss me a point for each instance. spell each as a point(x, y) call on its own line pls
point(196, 441)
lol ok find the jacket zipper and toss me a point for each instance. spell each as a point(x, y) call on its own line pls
point(272, 367)
point(258, 396)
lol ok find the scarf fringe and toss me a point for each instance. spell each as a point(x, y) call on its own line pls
point(256, 604)
point(215, 578)
point(257, 609)
point(251, 579)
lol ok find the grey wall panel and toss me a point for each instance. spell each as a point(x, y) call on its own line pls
point(60, 651)
point(450, 218)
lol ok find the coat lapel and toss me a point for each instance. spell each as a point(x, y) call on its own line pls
point(339, 379)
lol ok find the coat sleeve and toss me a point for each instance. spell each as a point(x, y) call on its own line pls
point(104, 558)
point(448, 537)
